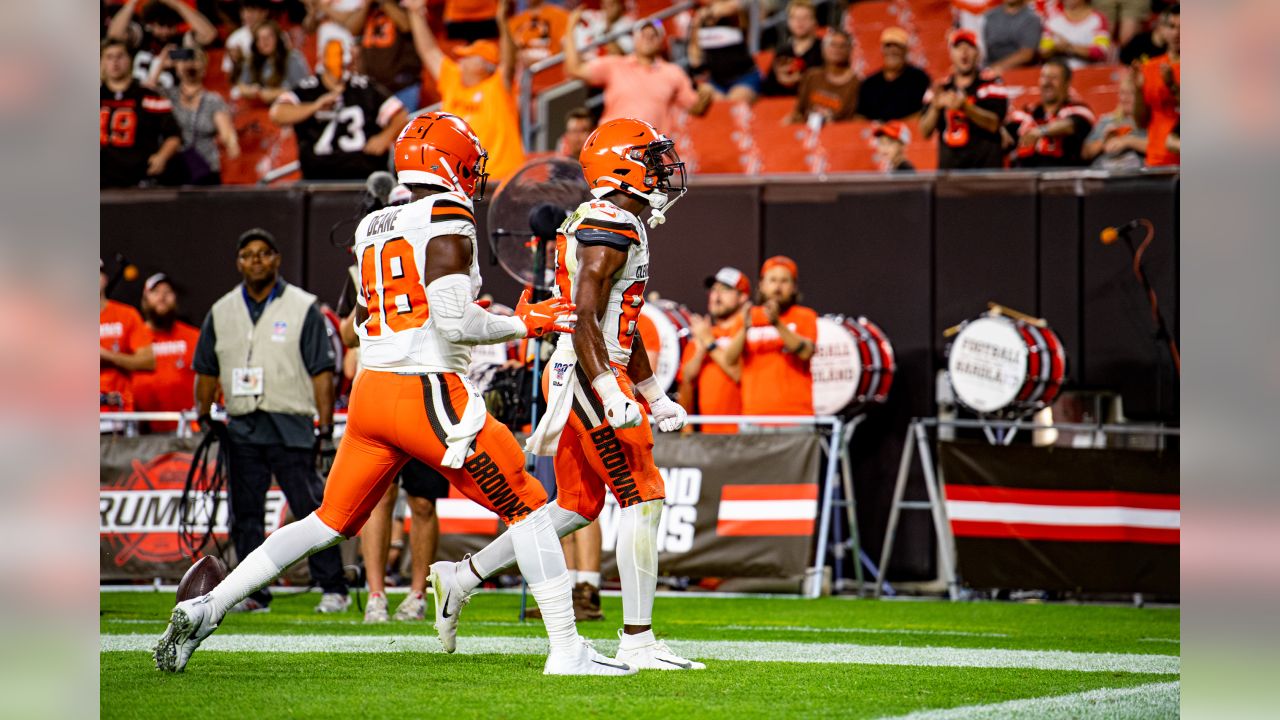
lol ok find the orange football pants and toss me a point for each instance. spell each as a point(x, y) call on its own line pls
point(392, 418)
point(592, 455)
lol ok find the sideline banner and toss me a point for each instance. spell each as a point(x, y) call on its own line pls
point(737, 506)
point(140, 489)
point(1062, 518)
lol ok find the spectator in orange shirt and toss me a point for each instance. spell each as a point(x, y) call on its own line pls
point(775, 343)
point(477, 88)
point(124, 348)
point(709, 384)
point(1159, 89)
point(537, 30)
point(170, 386)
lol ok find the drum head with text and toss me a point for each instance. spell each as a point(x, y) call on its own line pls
point(987, 364)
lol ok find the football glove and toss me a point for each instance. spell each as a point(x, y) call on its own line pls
point(554, 315)
point(668, 414)
point(621, 411)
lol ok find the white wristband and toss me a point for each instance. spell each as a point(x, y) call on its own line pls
point(606, 386)
point(650, 390)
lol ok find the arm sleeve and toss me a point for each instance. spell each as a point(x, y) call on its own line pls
point(808, 326)
point(1029, 33)
point(317, 350)
point(461, 321)
point(205, 361)
point(295, 69)
point(140, 336)
point(686, 97)
point(598, 70)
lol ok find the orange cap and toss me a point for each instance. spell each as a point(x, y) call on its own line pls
point(483, 49)
point(781, 261)
point(895, 129)
point(895, 36)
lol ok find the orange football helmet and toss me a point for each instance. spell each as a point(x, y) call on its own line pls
point(630, 156)
point(441, 149)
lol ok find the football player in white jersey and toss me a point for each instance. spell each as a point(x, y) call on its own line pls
point(417, 320)
point(597, 424)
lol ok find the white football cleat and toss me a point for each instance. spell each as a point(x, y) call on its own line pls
point(190, 623)
point(449, 601)
point(376, 610)
point(413, 607)
point(333, 603)
point(584, 660)
point(655, 656)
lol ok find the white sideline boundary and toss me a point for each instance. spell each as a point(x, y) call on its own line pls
point(700, 649)
point(869, 631)
point(1156, 700)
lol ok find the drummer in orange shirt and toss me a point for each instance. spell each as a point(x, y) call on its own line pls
point(775, 344)
point(124, 344)
point(171, 385)
point(709, 384)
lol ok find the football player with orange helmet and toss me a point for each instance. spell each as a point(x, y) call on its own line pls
point(419, 276)
point(600, 387)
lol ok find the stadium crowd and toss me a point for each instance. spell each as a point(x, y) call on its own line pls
point(201, 92)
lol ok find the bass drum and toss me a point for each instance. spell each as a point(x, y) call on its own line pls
point(666, 322)
point(488, 359)
point(1001, 365)
point(852, 366)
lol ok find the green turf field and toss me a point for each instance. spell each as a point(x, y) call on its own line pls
point(765, 658)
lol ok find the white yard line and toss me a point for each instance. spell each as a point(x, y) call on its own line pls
point(872, 631)
point(701, 649)
point(1157, 700)
point(1174, 641)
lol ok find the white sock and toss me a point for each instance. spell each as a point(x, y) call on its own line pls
point(630, 641)
point(500, 554)
point(637, 555)
point(573, 577)
point(590, 578)
point(541, 561)
point(281, 549)
point(467, 578)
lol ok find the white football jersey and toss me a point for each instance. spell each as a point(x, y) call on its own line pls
point(600, 222)
point(391, 250)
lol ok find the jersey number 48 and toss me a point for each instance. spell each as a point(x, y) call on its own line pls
point(401, 297)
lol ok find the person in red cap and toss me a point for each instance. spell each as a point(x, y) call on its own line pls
point(966, 108)
point(478, 87)
point(709, 383)
point(775, 343)
point(891, 142)
point(167, 388)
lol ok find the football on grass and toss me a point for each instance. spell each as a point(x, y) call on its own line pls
point(201, 578)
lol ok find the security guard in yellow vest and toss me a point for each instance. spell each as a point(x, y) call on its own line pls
point(267, 345)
